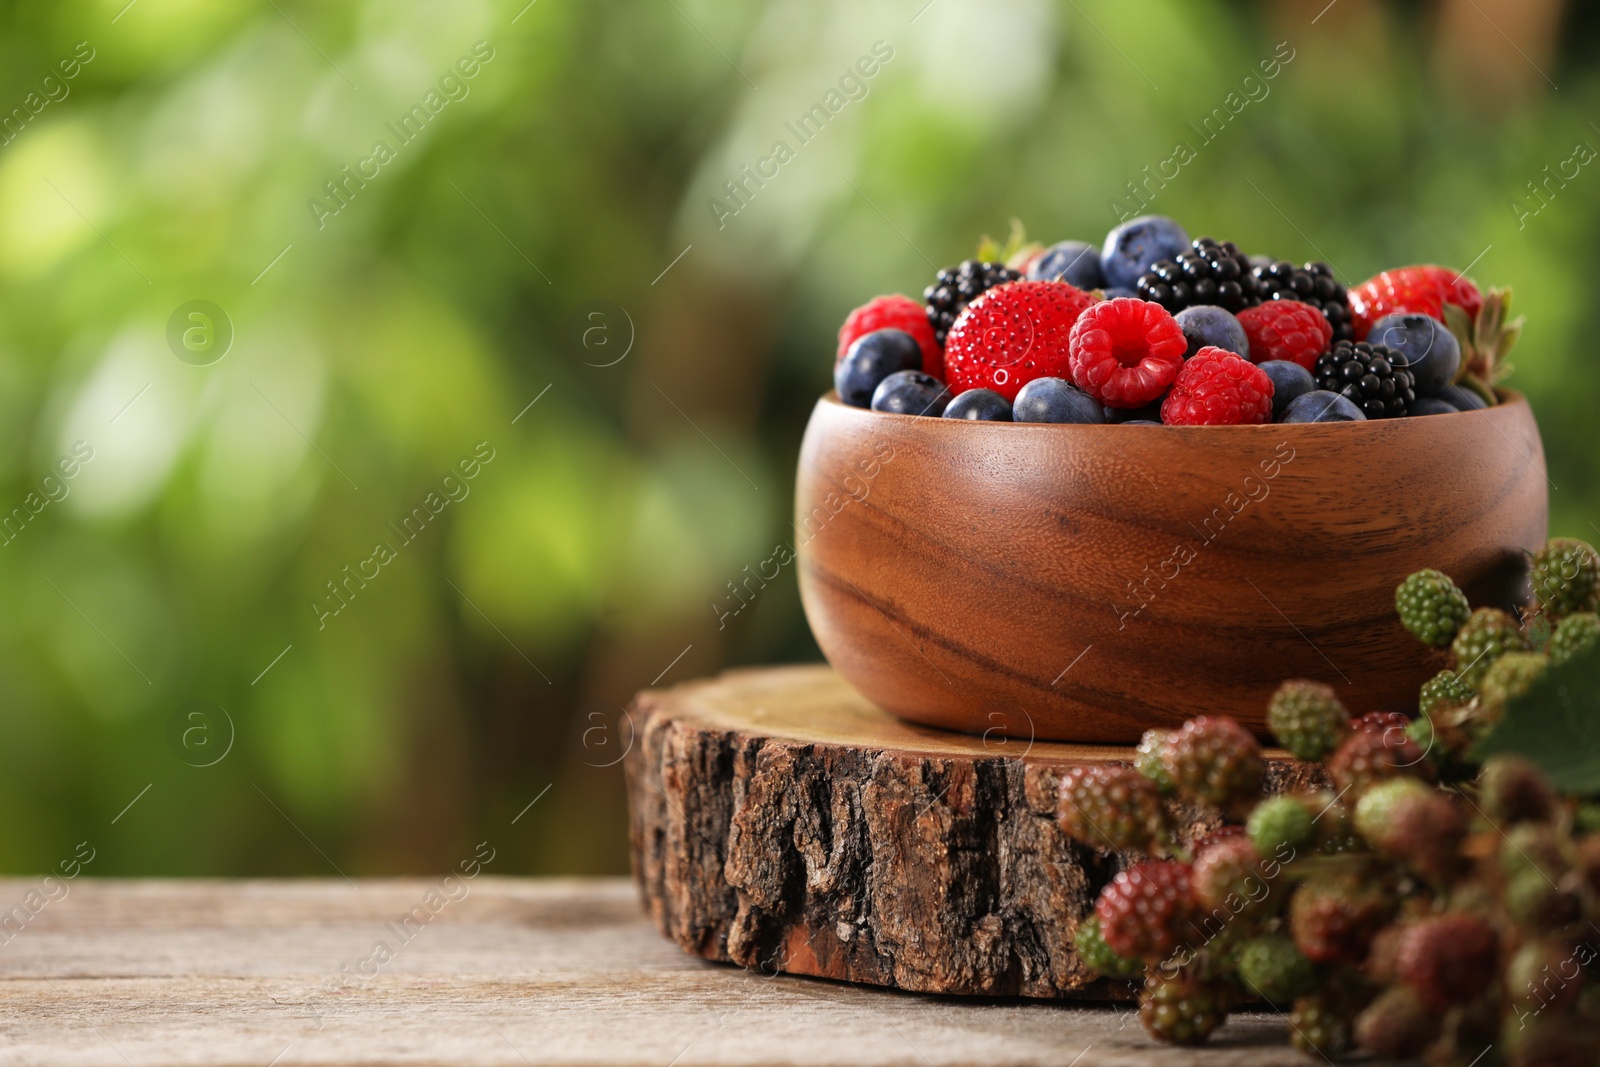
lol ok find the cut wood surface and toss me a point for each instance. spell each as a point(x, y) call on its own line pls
point(782, 823)
point(516, 972)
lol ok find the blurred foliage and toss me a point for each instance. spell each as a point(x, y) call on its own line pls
point(485, 665)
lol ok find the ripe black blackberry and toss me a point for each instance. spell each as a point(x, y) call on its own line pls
point(956, 287)
point(1312, 284)
point(1374, 377)
point(1210, 273)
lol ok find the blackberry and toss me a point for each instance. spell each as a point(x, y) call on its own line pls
point(1369, 758)
point(1566, 576)
point(1509, 677)
point(1511, 789)
point(1229, 870)
point(1209, 273)
point(1095, 954)
point(1448, 959)
point(1307, 719)
point(1147, 760)
point(1312, 284)
point(1276, 970)
point(1110, 806)
point(1281, 822)
point(1443, 690)
point(1373, 377)
point(1431, 607)
point(1318, 1025)
point(1397, 1024)
point(1183, 1009)
point(1214, 759)
point(1488, 634)
point(1148, 910)
point(1576, 635)
point(1333, 918)
point(956, 287)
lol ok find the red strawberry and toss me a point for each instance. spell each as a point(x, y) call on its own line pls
point(1421, 290)
point(1125, 352)
point(893, 313)
point(1217, 388)
point(1286, 329)
point(1011, 335)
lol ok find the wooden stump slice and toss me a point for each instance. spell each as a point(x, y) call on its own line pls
point(782, 823)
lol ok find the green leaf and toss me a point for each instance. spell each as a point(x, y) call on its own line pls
point(1556, 724)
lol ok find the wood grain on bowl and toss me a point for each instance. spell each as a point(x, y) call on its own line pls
point(1085, 583)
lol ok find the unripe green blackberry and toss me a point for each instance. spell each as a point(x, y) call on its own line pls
point(1536, 903)
point(1280, 823)
point(1566, 576)
point(1535, 980)
point(1095, 954)
point(1307, 719)
point(1214, 759)
point(1147, 761)
point(1486, 636)
point(1182, 1010)
point(1575, 636)
point(1512, 789)
point(1276, 970)
point(1443, 690)
point(1318, 1024)
point(1420, 827)
point(1111, 806)
point(1397, 1024)
point(1431, 607)
point(1509, 677)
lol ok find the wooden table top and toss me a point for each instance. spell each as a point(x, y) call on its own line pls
point(488, 971)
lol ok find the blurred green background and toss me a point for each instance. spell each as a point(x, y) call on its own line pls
point(549, 237)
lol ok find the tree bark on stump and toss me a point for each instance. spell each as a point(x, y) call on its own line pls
point(782, 823)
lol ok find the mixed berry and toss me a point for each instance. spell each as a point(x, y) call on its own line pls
point(1151, 327)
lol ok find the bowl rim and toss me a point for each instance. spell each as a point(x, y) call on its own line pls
point(1509, 398)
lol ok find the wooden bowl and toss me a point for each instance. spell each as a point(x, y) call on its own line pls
point(1085, 583)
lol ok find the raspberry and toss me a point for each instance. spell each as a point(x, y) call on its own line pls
point(1444, 690)
point(1110, 806)
point(1509, 677)
point(1312, 284)
point(1125, 352)
point(1183, 1009)
point(1095, 954)
point(1217, 388)
point(1448, 959)
point(1368, 758)
point(1512, 790)
point(1431, 607)
point(893, 313)
point(1423, 290)
point(1287, 330)
point(1333, 918)
point(1418, 826)
point(1380, 722)
point(1307, 719)
point(1148, 910)
point(1229, 868)
point(1318, 1025)
point(1011, 335)
point(1397, 1024)
point(1279, 823)
point(1147, 760)
point(1566, 576)
point(1577, 635)
point(1275, 969)
point(1214, 759)
point(1487, 634)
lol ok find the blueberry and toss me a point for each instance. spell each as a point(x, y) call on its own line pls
point(872, 358)
point(1462, 399)
point(1055, 400)
point(1319, 405)
point(911, 392)
point(1072, 262)
point(1204, 324)
point(1134, 246)
point(1432, 405)
point(1290, 381)
point(1148, 413)
point(1431, 351)
point(983, 405)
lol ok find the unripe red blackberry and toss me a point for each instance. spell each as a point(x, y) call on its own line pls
point(1576, 635)
point(1448, 959)
point(1307, 719)
point(1535, 846)
point(1542, 975)
point(1512, 789)
point(1566, 576)
point(1147, 760)
point(1368, 758)
point(1095, 954)
point(1182, 1010)
point(1111, 806)
point(1229, 873)
point(1534, 902)
point(1407, 821)
point(1509, 677)
point(1443, 690)
point(1275, 969)
point(1431, 607)
point(1488, 634)
point(1148, 910)
point(1318, 1024)
point(1397, 1024)
point(1333, 918)
point(1279, 824)
point(1215, 760)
